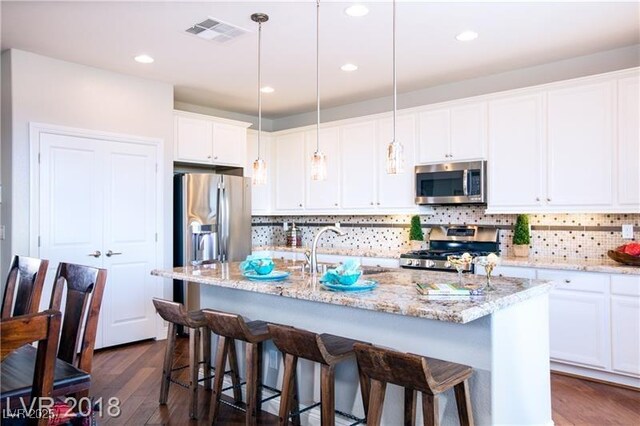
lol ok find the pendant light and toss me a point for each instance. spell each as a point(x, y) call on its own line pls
point(395, 150)
point(318, 161)
point(259, 165)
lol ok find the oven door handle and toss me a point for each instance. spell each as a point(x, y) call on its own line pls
point(465, 178)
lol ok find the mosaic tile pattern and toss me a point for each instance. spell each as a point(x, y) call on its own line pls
point(568, 236)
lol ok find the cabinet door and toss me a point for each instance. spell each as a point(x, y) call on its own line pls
point(579, 328)
point(289, 171)
point(397, 191)
point(580, 145)
point(468, 132)
point(625, 323)
point(229, 144)
point(357, 145)
point(515, 151)
point(628, 168)
point(194, 140)
point(260, 194)
point(324, 194)
point(435, 136)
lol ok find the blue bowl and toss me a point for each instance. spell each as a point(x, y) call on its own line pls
point(349, 279)
point(264, 268)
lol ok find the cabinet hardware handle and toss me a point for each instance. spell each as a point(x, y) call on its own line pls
point(567, 281)
point(548, 199)
point(300, 205)
point(215, 158)
point(112, 253)
point(208, 156)
point(95, 254)
point(537, 198)
point(336, 204)
point(372, 203)
point(378, 203)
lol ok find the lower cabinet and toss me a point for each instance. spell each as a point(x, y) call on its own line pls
point(594, 322)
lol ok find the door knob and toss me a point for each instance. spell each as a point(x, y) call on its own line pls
point(112, 253)
point(95, 254)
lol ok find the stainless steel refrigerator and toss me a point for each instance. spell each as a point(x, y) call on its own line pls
point(212, 224)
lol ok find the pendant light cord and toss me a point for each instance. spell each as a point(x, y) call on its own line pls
point(259, 84)
point(395, 88)
point(318, 74)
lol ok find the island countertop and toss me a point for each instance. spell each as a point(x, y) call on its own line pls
point(396, 292)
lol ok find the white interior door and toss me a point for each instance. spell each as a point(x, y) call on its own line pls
point(129, 242)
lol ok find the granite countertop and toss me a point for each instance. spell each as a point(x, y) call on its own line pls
point(593, 265)
point(396, 292)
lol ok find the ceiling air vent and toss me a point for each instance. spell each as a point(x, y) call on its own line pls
point(216, 30)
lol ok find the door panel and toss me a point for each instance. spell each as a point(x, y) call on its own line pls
point(397, 191)
point(357, 145)
point(625, 328)
point(435, 136)
point(629, 142)
point(289, 173)
point(229, 146)
point(324, 194)
point(129, 232)
point(468, 132)
point(194, 140)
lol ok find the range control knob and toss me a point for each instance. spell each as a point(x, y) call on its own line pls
point(429, 263)
point(409, 262)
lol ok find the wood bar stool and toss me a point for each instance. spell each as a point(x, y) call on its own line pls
point(326, 349)
point(176, 314)
point(23, 288)
point(415, 373)
point(229, 327)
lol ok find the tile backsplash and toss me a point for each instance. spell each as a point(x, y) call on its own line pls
point(569, 236)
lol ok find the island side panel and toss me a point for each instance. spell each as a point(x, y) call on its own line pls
point(468, 344)
point(521, 382)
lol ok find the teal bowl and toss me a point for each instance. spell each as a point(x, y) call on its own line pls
point(349, 279)
point(265, 268)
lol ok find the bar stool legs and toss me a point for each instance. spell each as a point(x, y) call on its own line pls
point(288, 397)
point(463, 399)
point(327, 395)
point(226, 348)
point(376, 399)
point(254, 380)
point(409, 407)
point(168, 363)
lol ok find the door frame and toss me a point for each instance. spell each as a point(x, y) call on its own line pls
point(36, 129)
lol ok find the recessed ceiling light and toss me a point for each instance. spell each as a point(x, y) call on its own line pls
point(144, 59)
point(349, 67)
point(267, 89)
point(467, 36)
point(356, 10)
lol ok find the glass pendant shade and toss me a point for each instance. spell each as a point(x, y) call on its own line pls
point(259, 172)
point(318, 166)
point(395, 158)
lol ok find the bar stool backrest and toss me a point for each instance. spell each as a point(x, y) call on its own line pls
point(302, 343)
point(173, 312)
point(389, 366)
point(226, 324)
point(24, 284)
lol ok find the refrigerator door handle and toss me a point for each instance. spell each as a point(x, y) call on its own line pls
point(223, 227)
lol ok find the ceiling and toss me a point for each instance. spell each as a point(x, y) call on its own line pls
point(223, 75)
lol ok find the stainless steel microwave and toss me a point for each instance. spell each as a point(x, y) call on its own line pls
point(452, 183)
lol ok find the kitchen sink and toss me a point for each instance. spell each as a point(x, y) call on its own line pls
point(374, 270)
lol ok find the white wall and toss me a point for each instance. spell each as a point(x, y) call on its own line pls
point(51, 91)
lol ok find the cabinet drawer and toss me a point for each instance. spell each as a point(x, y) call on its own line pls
point(380, 262)
point(287, 255)
point(577, 281)
point(332, 258)
point(625, 285)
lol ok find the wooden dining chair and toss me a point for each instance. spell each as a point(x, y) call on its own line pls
point(24, 284)
point(85, 287)
point(43, 328)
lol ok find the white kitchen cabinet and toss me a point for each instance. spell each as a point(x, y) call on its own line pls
point(508, 271)
point(580, 144)
point(323, 194)
point(628, 168)
point(203, 139)
point(580, 329)
point(398, 190)
point(453, 134)
point(515, 166)
point(193, 139)
point(229, 144)
point(358, 166)
point(380, 262)
point(625, 324)
point(260, 194)
point(289, 171)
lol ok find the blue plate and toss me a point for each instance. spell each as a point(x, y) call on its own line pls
point(362, 285)
point(272, 276)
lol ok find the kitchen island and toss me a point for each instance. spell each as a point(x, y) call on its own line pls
point(503, 335)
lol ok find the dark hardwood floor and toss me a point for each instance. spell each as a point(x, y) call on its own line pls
point(132, 374)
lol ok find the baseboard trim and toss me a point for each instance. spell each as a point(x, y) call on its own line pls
point(626, 382)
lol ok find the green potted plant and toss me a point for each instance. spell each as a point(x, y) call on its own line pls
point(521, 236)
point(416, 236)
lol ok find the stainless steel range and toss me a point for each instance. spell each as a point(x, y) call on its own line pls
point(452, 241)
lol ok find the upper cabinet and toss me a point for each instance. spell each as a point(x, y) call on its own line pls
point(628, 158)
point(289, 172)
point(357, 143)
point(323, 194)
point(260, 194)
point(203, 139)
point(580, 145)
point(457, 133)
point(397, 191)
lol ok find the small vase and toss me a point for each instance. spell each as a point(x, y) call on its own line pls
point(490, 286)
point(521, 250)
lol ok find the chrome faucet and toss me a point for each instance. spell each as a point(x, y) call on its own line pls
point(313, 260)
